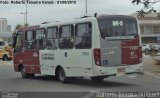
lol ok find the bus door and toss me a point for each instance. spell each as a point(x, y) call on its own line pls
point(18, 47)
point(40, 42)
point(30, 53)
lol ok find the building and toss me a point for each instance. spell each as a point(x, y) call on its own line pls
point(150, 28)
point(7, 36)
point(9, 28)
point(5, 30)
point(3, 25)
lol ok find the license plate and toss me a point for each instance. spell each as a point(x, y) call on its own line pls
point(121, 70)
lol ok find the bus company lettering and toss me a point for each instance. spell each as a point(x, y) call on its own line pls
point(85, 53)
point(45, 56)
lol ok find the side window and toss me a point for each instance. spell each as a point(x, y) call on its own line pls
point(29, 38)
point(19, 43)
point(66, 35)
point(40, 39)
point(83, 36)
point(52, 38)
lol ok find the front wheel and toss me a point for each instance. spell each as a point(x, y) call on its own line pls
point(159, 50)
point(5, 58)
point(146, 51)
point(97, 78)
point(62, 76)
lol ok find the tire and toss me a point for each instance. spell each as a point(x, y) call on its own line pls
point(97, 78)
point(146, 51)
point(5, 58)
point(31, 75)
point(24, 74)
point(159, 50)
point(61, 75)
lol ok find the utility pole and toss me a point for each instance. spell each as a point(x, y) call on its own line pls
point(86, 6)
point(23, 13)
point(26, 12)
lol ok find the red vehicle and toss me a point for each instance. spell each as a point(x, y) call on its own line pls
point(25, 53)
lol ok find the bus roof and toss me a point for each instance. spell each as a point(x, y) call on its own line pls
point(78, 20)
point(83, 19)
point(116, 16)
point(28, 27)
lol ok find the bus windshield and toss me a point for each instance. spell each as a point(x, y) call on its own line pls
point(117, 27)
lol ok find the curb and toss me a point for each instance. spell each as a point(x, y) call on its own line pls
point(154, 75)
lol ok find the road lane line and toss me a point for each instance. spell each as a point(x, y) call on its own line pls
point(91, 94)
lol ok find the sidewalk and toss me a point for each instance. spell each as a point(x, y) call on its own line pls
point(150, 67)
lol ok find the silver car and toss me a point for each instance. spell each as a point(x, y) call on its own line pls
point(146, 48)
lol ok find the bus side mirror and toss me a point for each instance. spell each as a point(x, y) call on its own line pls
point(13, 44)
point(14, 41)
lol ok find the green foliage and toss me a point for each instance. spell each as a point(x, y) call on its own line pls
point(17, 27)
point(26, 25)
point(148, 7)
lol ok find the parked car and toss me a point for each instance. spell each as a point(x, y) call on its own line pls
point(5, 51)
point(156, 47)
point(146, 48)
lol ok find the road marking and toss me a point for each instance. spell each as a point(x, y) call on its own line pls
point(91, 94)
point(7, 63)
point(146, 56)
point(118, 75)
point(132, 76)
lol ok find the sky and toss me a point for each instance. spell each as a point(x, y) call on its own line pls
point(39, 13)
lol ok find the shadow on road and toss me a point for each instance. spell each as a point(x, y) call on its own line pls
point(85, 82)
point(105, 83)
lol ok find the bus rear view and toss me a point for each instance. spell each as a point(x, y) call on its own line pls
point(120, 46)
point(95, 47)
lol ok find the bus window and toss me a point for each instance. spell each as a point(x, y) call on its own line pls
point(117, 27)
point(52, 38)
point(66, 37)
point(18, 42)
point(40, 39)
point(83, 36)
point(29, 37)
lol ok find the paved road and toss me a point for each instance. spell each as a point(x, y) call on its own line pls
point(11, 81)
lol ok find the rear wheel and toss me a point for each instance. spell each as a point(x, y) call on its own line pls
point(24, 74)
point(97, 78)
point(5, 58)
point(61, 75)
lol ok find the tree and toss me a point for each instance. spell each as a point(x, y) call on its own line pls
point(17, 26)
point(148, 7)
point(26, 24)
